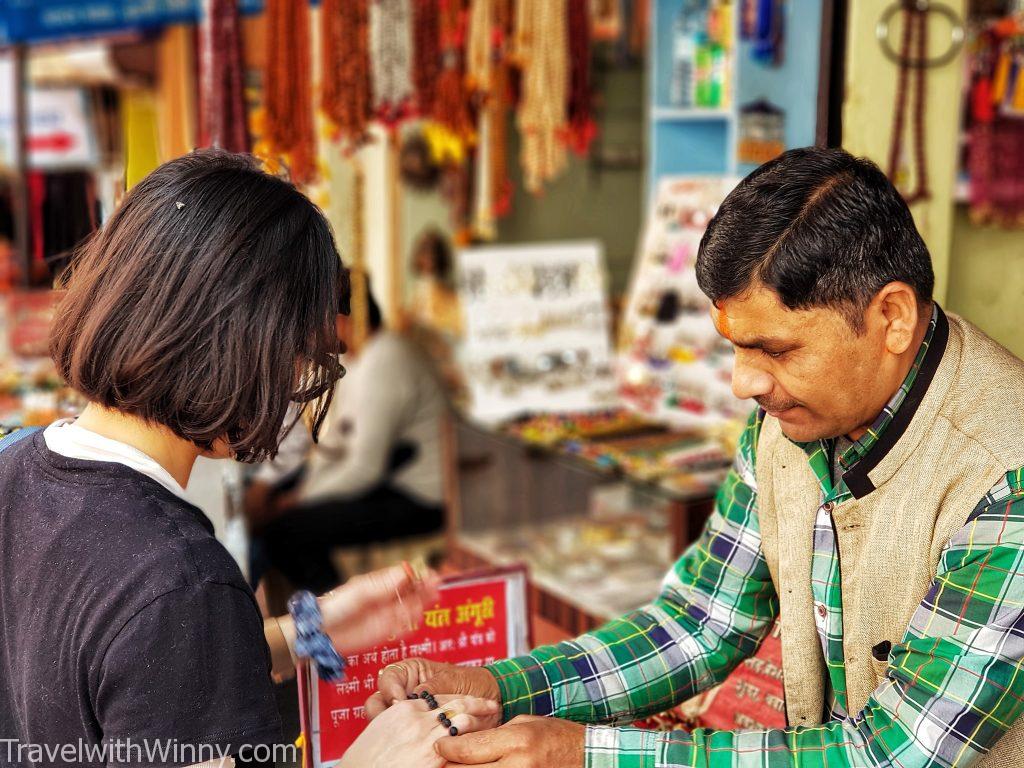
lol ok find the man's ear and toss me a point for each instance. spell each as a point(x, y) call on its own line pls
point(896, 309)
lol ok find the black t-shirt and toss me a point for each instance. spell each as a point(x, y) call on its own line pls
point(123, 621)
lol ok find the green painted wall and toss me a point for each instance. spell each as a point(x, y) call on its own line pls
point(986, 280)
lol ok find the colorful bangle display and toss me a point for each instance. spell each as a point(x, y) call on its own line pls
point(310, 640)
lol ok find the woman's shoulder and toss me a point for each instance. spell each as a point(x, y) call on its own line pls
point(107, 522)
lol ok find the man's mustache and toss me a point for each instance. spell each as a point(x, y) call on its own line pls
point(775, 406)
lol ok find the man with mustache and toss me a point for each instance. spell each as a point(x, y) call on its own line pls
point(876, 504)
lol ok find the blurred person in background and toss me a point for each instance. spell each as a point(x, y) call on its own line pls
point(435, 304)
point(375, 474)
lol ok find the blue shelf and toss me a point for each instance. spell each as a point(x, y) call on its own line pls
point(688, 149)
point(680, 114)
point(699, 141)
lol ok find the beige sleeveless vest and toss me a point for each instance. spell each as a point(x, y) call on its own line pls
point(967, 432)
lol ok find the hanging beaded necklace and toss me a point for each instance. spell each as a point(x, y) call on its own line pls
point(451, 103)
point(541, 49)
point(345, 79)
point(222, 110)
point(287, 88)
point(426, 53)
point(915, 36)
point(391, 54)
point(487, 74)
point(582, 129)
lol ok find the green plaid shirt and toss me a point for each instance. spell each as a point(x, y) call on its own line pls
point(955, 681)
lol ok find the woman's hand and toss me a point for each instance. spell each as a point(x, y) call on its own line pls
point(370, 609)
point(405, 734)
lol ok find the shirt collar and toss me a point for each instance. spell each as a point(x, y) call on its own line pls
point(864, 453)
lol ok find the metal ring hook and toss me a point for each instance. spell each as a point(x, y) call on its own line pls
point(957, 34)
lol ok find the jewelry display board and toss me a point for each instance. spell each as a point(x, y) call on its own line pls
point(537, 332)
point(673, 366)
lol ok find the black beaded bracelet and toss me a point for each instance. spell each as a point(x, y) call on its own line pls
point(441, 718)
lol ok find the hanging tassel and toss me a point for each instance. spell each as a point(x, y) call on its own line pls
point(287, 88)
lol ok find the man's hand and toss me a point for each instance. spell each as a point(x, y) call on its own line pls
point(524, 742)
point(397, 681)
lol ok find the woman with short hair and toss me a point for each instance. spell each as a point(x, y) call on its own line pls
point(192, 320)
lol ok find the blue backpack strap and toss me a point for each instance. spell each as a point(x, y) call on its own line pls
point(16, 435)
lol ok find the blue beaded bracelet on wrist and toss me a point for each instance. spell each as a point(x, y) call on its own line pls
point(310, 640)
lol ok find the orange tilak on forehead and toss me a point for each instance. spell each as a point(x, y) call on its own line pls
point(721, 321)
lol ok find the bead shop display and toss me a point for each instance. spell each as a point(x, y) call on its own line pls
point(673, 365)
point(450, 63)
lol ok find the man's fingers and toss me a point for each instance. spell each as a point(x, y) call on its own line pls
point(445, 682)
point(395, 683)
point(473, 748)
point(375, 705)
point(469, 705)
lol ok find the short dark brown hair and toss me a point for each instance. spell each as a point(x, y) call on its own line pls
point(821, 228)
point(207, 304)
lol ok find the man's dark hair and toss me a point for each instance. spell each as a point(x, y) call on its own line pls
point(206, 304)
point(821, 228)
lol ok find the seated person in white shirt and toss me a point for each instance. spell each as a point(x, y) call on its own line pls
point(375, 475)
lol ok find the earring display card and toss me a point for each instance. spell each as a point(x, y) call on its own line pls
point(672, 365)
point(537, 335)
